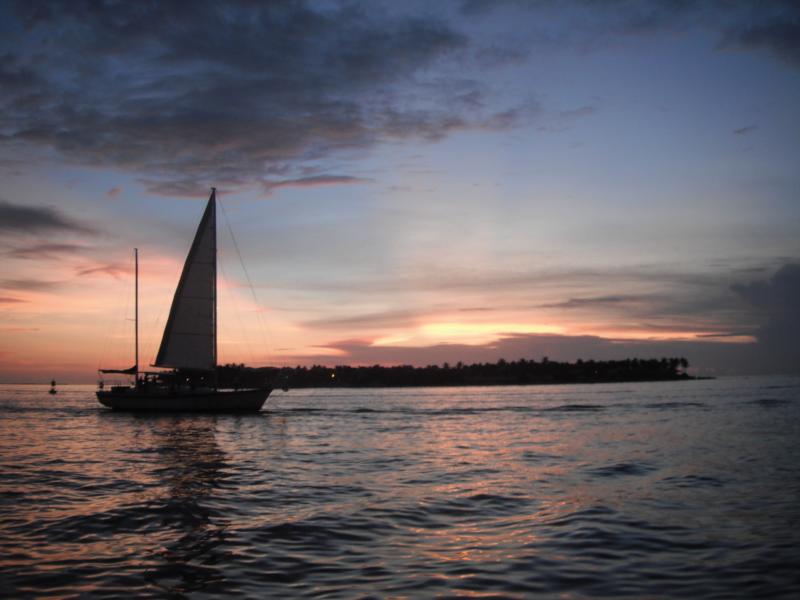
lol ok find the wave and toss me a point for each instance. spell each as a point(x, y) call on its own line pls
point(622, 469)
point(770, 402)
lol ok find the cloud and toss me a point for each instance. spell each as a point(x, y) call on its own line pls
point(313, 181)
point(772, 26)
point(729, 334)
point(15, 218)
point(114, 192)
point(780, 36)
point(652, 282)
point(179, 187)
point(745, 130)
point(595, 301)
point(114, 270)
point(777, 301)
point(191, 188)
point(232, 94)
point(576, 113)
point(45, 251)
point(389, 318)
point(28, 284)
point(10, 300)
point(247, 94)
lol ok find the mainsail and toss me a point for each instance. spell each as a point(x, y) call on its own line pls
point(190, 337)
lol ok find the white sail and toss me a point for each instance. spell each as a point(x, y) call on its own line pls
point(190, 335)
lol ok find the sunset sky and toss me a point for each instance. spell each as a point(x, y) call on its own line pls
point(412, 182)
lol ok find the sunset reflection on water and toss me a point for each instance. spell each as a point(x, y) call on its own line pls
point(566, 490)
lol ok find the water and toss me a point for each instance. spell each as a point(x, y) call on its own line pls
point(659, 490)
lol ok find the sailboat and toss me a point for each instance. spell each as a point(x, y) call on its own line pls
point(188, 346)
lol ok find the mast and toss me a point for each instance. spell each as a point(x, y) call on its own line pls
point(214, 375)
point(136, 313)
point(214, 268)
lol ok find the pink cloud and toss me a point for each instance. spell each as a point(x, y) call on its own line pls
point(114, 270)
point(313, 181)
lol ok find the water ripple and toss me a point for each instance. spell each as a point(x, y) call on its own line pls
point(573, 491)
point(622, 469)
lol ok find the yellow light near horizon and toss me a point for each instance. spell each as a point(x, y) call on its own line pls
point(389, 340)
point(460, 329)
point(461, 332)
point(630, 334)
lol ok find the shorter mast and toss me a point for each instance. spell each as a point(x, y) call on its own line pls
point(134, 370)
point(136, 314)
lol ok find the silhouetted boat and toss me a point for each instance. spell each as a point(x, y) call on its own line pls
point(189, 344)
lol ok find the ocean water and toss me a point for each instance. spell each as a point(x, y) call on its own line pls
point(641, 490)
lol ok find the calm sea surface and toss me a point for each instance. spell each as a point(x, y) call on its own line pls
point(657, 490)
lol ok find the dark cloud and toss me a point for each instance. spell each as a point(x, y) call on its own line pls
point(16, 218)
point(595, 301)
point(575, 113)
point(230, 94)
point(10, 300)
point(28, 284)
point(389, 318)
point(779, 35)
point(45, 251)
point(686, 307)
point(745, 130)
point(739, 24)
point(246, 93)
point(264, 94)
point(465, 279)
point(777, 301)
point(185, 187)
point(693, 289)
point(729, 334)
point(190, 188)
point(113, 270)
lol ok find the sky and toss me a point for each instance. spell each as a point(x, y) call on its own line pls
point(405, 183)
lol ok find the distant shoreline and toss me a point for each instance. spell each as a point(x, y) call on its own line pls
point(438, 385)
point(502, 372)
point(507, 384)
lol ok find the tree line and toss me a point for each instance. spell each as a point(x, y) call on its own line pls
point(502, 372)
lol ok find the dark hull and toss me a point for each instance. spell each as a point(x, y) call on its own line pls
point(229, 401)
